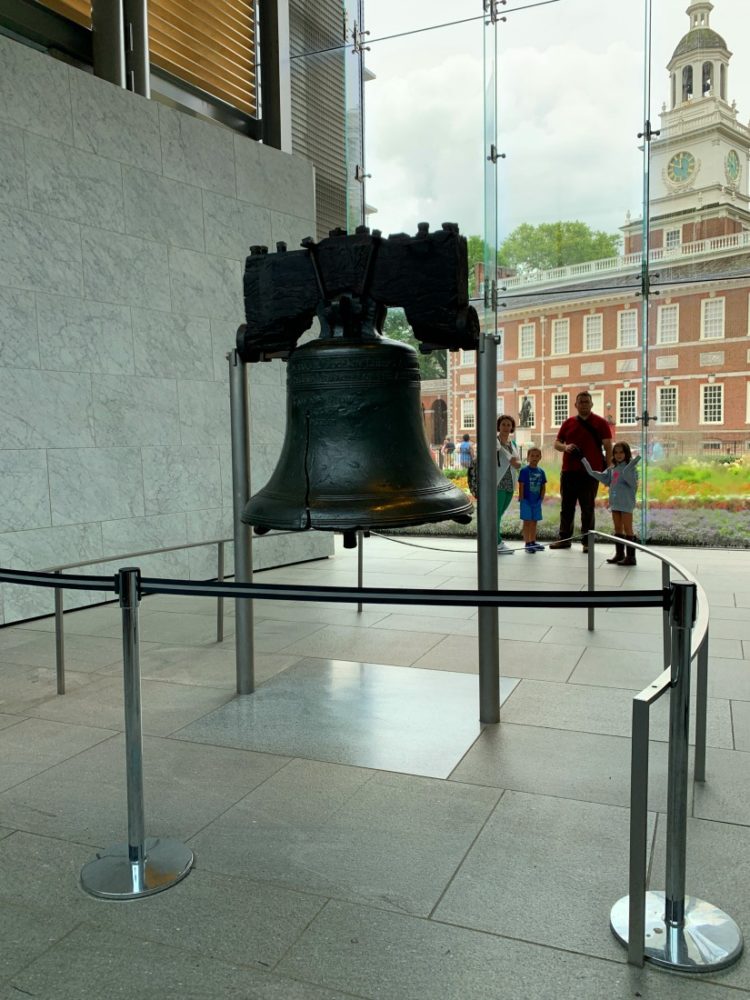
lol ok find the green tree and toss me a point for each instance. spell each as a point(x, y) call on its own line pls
point(396, 327)
point(475, 245)
point(556, 244)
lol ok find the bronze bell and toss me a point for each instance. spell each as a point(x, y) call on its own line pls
point(355, 454)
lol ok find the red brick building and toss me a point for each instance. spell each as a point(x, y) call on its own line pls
point(686, 362)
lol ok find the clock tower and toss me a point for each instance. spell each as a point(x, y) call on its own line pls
point(699, 162)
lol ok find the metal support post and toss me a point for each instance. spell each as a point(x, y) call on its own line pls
point(489, 638)
point(666, 582)
point(360, 563)
point(243, 555)
point(681, 933)
point(591, 575)
point(701, 704)
point(142, 866)
point(220, 600)
point(59, 641)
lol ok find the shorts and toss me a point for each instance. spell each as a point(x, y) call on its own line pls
point(531, 510)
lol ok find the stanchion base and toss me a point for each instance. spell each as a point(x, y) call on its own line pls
point(707, 941)
point(113, 876)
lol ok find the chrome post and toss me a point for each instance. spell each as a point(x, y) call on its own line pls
point(243, 555)
point(592, 574)
point(638, 831)
point(360, 564)
point(220, 600)
point(682, 933)
point(59, 640)
point(701, 708)
point(141, 867)
point(666, 582)
point(489, 637)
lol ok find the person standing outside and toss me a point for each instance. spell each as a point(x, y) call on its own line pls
point(532, 484)
point(465, 452)
point(508, 464)
point(589, 436)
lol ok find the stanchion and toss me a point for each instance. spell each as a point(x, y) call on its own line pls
point(220, 600)
point(681, 932)
point(360, 563)
point(591, 574)
point(143, 866)
point(59, 641)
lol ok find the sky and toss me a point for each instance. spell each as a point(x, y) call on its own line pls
point(570, 104)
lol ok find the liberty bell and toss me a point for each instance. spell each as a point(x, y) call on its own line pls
point(355, 454)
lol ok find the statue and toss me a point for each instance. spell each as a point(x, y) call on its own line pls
point(524, 417)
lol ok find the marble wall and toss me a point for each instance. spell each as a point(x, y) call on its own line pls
point(124, 225)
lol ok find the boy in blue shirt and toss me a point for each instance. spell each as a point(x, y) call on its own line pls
point(532, 484)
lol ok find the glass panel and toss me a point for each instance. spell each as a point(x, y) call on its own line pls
point(354, 116)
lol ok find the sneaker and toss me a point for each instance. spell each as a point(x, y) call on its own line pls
point(539, 547)
point(563, 543)
point(503, 550)
point(530, 548)
point(584, 549)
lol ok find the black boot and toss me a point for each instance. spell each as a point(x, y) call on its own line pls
point(629, 559)
point(619, 551)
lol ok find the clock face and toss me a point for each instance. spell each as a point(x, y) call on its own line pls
point(681, 167)
point(733, 166)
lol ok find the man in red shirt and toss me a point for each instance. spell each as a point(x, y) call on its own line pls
point(586, 435)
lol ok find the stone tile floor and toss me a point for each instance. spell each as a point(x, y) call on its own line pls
point(357, 832)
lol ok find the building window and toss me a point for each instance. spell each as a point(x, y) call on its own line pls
point(560, 336)
point(527, 340)
point(668, 324)
point(711, 445)
point(468, 414)
point(712, 319)
point(627, 328)
point(500, 344)
point(560, 408)
point(666, 404)
point(712, 404)
point(500, 405)
point(672, 239)
point(466, 357)
point(592, 332)
point(626, 407)
point(687, 83)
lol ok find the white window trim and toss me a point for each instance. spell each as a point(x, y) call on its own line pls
point(676, 391)
point(704, 387)
point(566, 349)
point(500, 344)
point(620, 314)
point(566, 397)
point(630, 392)
point(586, 319)
point(525, 327)
point(468, 409)
point(659, 313)
point(704, 309)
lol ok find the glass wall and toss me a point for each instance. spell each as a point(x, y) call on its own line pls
point(619, 220)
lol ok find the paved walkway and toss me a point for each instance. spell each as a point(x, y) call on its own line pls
point(357, 833)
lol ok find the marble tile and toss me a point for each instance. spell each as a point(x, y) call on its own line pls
point(517, 659)
point(168, 345)
point(741, 724)
point(125, 269)
point(73, 184)
point(232, 226)
point(130, 410)
point(43, 409)
point(24, 490)
point(197, 152)
point(162, 209)
point(50, 546)
point(33, 657)
point(185, 786)
point(181, 479)
point(35, 745)
point(205, 285)
point(95, 484)
point(636, 640)
point(115, 123)
point(19, 341)
point(503, 863)
point(12, 168)
point(40, 252)
point(617, 668)
point(371, 645)
point(585, 766)
point(34, 91)
point(279, 181)
point(727, 678)
point(290, 229)
point(224, 340)
point(373, 953)
point(83, 336)
point(209, 524)
point(136, 534)
point(204, 413)
point(28, 933)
